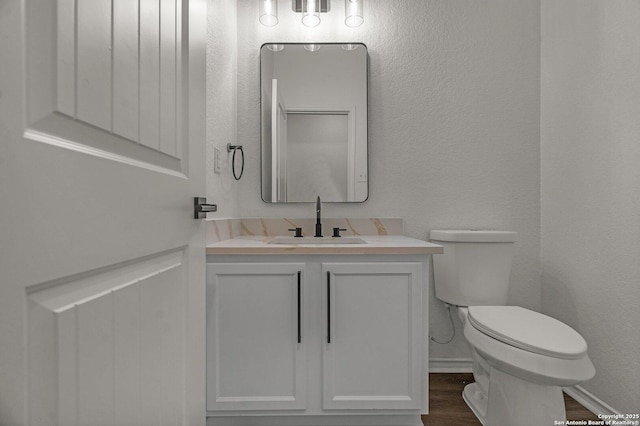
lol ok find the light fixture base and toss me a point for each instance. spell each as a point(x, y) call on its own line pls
point(325, 6)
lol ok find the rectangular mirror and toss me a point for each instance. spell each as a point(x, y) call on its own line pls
point(314, 122)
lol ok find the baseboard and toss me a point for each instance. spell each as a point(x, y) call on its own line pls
point(589, 400)
point(450, 365)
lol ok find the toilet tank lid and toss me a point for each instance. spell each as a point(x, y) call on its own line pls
point(473, 236)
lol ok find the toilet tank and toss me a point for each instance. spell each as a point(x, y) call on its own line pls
point(475, 267)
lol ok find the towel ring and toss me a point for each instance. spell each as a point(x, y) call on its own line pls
point(235, 148)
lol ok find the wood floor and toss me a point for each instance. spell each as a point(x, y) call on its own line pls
point(447, 408)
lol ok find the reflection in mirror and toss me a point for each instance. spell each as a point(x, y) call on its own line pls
point(314, 122)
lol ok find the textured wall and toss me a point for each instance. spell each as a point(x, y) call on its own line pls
point(590, 133)
point(453, 121)
point(222, 54)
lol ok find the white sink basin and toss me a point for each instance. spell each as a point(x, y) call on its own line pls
point(314, 240)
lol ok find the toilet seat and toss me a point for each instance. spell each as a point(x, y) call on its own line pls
point(528, 330)
point(528, 365)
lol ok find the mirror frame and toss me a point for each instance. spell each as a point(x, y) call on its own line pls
point(261, 122)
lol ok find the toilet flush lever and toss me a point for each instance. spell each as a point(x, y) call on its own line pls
point(200, 208)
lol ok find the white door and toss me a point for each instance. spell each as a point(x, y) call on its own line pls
point(372, 357)
point(256, 346)
point(101, 262)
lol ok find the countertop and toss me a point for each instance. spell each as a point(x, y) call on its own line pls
point(375, 244)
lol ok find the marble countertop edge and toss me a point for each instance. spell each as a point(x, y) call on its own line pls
point(375, 244)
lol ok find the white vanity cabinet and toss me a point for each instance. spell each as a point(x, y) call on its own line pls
point(372, 353)
point(338, 339)
point(255, 356)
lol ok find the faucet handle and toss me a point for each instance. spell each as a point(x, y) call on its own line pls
point(298, 232)
point(336, 232)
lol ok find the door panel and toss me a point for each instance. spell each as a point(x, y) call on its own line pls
point(255, 358)
point(110, 346)
point(125, 68)
point(93, 62)
point(373, 357)
point(101, 261)
point(65, 59)
point(115, 68)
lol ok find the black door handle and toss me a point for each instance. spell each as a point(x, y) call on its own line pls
point(200, 208)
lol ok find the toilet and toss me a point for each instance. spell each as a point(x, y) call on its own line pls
point(521, 358)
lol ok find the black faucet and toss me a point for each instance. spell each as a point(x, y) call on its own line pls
point(318, 222)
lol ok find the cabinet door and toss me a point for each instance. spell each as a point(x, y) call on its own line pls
point(372, 346)
point(255, 348)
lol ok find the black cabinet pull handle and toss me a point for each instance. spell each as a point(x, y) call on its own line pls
point(299, 308)
point(328, 307)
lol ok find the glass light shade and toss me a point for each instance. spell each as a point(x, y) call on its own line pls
point(312, 47)
point(311, 13)
point(353, 13)
point(268, 12)
point(275, 47)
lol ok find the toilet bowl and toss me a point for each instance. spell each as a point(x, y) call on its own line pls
point(521, 358)
point(521, 361)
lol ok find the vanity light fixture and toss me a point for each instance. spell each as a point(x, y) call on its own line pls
point(353, 13)
point(311, 10)
point(269, 12)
